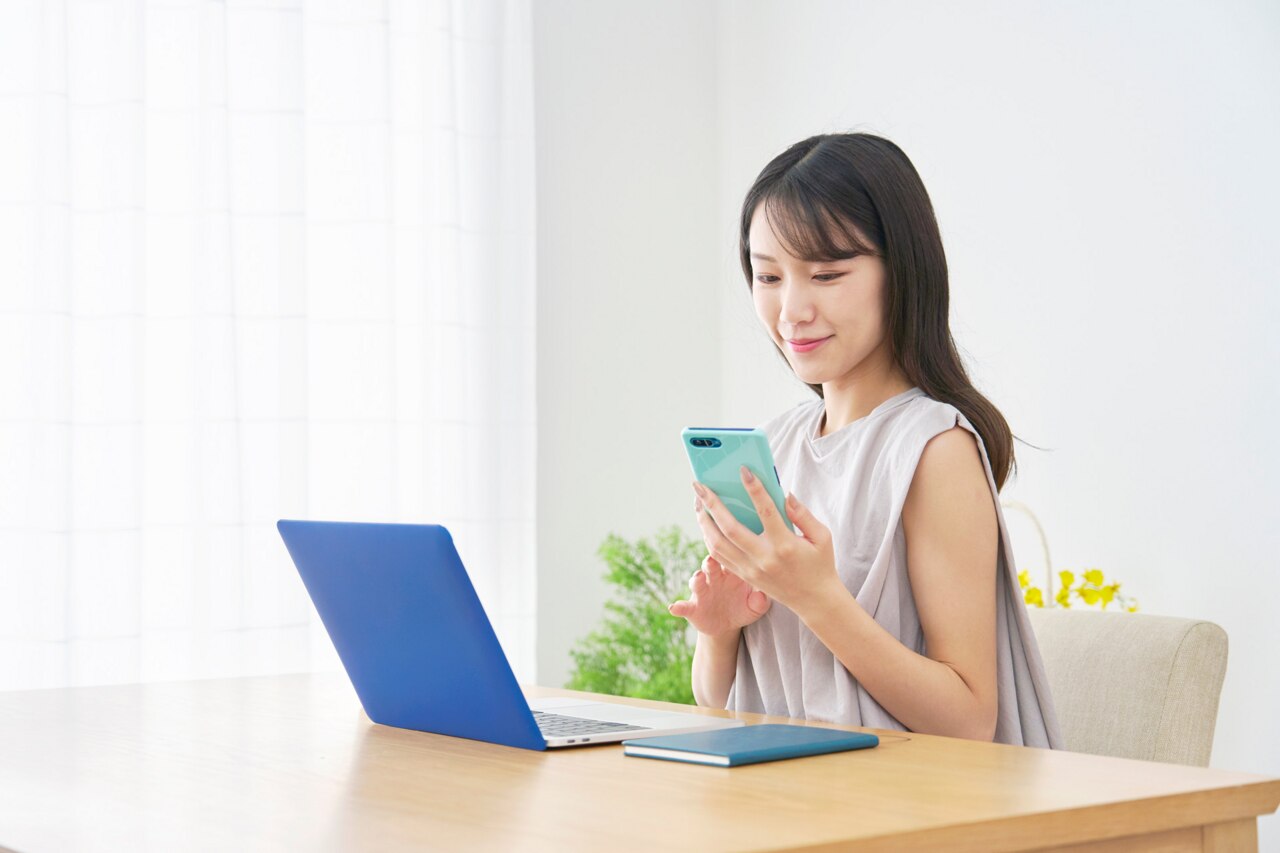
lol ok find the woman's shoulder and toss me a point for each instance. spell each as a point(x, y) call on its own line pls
point(907, 430)
point(924, 417)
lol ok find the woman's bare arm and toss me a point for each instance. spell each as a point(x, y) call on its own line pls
point(951, 530)
point(715, 662)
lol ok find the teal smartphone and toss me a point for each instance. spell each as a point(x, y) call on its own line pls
point(717, 455)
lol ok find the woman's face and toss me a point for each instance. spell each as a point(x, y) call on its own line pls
point(828, 317)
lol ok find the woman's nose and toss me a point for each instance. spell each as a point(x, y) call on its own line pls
point(796, 308)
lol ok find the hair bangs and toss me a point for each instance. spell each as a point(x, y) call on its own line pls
point(809, 227)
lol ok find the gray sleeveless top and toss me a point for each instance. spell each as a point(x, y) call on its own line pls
point(855, 480)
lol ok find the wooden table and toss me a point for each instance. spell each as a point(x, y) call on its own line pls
point(291, 762)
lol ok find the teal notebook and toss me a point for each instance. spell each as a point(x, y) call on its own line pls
point(747, 744)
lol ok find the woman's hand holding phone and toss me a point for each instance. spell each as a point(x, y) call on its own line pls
point(797, 570)
point(721, 602)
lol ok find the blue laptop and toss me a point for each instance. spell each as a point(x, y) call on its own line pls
point(421, 653)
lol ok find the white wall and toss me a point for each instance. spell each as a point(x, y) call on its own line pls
point(1105, 179)
point(628, 317)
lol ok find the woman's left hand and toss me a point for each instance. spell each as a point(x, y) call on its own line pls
point(797, 570)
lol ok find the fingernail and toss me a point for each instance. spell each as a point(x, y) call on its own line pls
point(697, 504)
point(747, 476)
point(697, 487)
point(791, 500)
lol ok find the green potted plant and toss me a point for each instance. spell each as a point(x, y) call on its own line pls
point(640, 649)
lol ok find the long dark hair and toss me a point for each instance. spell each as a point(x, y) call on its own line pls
point(813, 192)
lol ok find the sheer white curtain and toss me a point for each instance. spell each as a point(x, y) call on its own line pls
point(257, 260)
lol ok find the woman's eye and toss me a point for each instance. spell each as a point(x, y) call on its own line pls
point(824, 277)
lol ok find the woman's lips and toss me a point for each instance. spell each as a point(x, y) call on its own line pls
point(808, 345)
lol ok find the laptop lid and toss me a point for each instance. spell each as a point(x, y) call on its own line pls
point(410, 630)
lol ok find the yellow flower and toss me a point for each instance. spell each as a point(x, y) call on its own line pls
point(1093, 590)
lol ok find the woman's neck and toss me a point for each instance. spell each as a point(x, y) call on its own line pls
point(853, 397)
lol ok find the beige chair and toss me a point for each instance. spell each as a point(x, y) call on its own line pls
point(1133, 685)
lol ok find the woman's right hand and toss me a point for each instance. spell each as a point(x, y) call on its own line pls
point(721, 602)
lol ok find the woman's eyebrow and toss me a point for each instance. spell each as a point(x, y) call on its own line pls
point(763, 257)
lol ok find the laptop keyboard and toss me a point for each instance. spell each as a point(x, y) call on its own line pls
point(558, 725)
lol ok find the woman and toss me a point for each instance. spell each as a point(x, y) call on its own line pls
point(897, 604)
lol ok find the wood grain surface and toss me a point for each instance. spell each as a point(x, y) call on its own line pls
point(291, 763)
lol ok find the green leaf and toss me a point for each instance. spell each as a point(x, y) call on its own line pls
point(639, 649)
